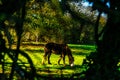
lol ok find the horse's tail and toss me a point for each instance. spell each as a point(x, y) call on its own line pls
point(45, 54)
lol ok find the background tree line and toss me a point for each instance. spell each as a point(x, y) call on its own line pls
point(46, 22)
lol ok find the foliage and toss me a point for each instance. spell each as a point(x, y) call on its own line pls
point(103, 64)
point(45, 21)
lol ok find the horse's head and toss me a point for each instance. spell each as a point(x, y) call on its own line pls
point(71, 61)
point(71, 58)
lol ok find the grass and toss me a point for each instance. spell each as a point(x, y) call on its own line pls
point(79, 52)
point(36, 52)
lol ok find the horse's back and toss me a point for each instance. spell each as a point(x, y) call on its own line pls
point(55, 47)
point(49, 45)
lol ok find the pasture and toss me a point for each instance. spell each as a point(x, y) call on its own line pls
point(36, 52)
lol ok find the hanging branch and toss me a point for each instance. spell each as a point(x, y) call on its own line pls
point(100, 10)
point(19, 27)
point(96, 29)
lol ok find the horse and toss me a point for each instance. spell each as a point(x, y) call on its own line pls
point(60, 49)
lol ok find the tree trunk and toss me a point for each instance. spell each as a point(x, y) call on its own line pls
point(103, 64)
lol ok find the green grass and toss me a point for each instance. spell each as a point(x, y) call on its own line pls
point(36, 53)
point(79, 52)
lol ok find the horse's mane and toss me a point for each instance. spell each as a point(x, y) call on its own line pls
point(55, 46)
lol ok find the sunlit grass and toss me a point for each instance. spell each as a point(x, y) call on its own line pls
point(36, 54)
point(79, 52)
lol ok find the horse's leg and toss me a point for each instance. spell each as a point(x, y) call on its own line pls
point(64, 59)
point(59, 59)
point(49, 58)
point(44, 58)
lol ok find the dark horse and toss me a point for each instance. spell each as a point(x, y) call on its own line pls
point(61, 49)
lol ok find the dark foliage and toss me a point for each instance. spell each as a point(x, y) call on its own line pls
point(103, 64)
point(8, 8)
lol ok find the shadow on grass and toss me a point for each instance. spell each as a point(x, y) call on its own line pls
point(81, 53)
point(35, 51)
point(32, 44)
point(49, 68)
point(42, 51)
point(59, 72)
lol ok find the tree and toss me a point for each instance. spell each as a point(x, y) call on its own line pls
point(84, 17)
point(103, 64)
point(46, 22)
